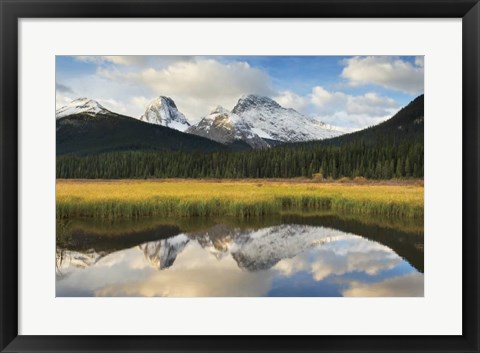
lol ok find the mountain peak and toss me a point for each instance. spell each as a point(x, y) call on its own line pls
point(164, 100)
point(251, 101)
point(82, 105)
point(226, 127)
point(219, 110)
point(163, 111)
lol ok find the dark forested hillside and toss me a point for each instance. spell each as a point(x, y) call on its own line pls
point(393, 149)
point(83, 134)
point(406, 124)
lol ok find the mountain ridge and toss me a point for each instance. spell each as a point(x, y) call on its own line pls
point(82, 105)
point(407, 123)
point(84, 134)
point(255, 122)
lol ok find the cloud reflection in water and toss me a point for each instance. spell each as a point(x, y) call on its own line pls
point(282, 260)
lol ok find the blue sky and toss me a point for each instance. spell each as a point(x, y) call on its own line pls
point(348, 92)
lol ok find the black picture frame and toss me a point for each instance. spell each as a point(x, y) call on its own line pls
point(12, 11)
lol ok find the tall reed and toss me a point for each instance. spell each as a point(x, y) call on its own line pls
point(183, 198)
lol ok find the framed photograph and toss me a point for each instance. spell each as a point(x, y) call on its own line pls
point(239, 176)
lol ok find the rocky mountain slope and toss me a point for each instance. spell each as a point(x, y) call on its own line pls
point(271, 121)
point(225, 127)
point(163, 111)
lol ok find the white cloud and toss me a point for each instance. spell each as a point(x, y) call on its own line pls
point(115, 95)
point(341, 109)
point(114, 59)
point(420, 61)
point(352, 111)
point(195, 273)
point(291, 100)
point(197, 86)
point(321, 97)
point(350, 122)
point(386, 71)
point(134, 60)
point(140, 102)
point(410, 285)
point(114, 105)
point(61, 100)
point(62, 88)
point(353, 254)
point(326, 102)
point(371, 104)
point(125, 84)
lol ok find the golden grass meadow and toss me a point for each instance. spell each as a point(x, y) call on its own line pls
point(131, 199)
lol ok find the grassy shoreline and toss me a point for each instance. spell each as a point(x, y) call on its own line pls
point(130, 199)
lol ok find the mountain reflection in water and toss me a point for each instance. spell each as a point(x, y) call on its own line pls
point(283, 259)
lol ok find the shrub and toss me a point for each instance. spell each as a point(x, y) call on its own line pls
point(317, 177)
point(360, 180)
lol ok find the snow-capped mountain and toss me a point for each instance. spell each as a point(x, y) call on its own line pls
point(225, 127)
point(269, 120)
point(163, 111)
point(254, 120)
point(81, 106)
point(66, 259)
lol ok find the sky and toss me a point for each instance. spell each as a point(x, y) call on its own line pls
point(351, 92)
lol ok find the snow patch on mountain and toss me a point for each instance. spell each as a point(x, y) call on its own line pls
point(81, 106)
point(163, 111)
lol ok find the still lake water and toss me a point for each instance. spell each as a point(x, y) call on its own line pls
point(293, 256)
